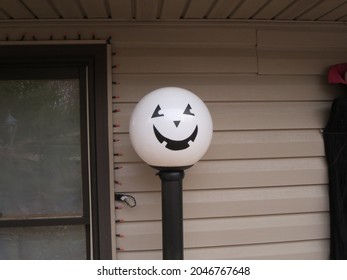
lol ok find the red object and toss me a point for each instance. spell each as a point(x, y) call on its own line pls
point(337, 73)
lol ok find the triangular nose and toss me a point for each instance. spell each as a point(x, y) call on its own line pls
point(176, 123)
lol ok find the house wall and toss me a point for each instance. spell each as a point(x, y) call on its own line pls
point(260, 192)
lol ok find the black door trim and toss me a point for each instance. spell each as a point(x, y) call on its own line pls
point(94, 58)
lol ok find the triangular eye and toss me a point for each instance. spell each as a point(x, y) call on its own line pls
point(156, 113)
point(187, 111)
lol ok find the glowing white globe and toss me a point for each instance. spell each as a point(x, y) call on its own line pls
point(170, 127)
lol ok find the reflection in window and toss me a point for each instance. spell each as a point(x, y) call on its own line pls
point(40, 148)
point(40, 243)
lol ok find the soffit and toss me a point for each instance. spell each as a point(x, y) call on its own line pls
point(176, 10)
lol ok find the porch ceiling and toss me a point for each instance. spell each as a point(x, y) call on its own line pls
point(176, 10)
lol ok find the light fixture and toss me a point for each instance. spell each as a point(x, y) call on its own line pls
point(171, 129)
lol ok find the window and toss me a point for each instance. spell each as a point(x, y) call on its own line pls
point(54, 187)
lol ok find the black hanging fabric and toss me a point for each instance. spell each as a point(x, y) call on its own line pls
point(335, 142)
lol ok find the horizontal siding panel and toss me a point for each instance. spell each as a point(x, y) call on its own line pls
point(183, 35)
point(229, 174)
point(185, 60)
point(309, 61)
point(302, 38)
point(264, 115)
point(309, 250)
point(265, 144)
point(222, 87)
point(232, 203)
point(244, 145)
point(301, 250)
point(136, 35)
point(252, 115)
point(229, 231)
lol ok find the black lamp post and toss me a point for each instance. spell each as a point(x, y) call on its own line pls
point(172, 213)
point(171, 129)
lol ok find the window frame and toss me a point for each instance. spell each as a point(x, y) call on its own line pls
point(92, 60)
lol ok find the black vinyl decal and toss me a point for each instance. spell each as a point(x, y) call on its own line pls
point(156, 113)
point(175, 145)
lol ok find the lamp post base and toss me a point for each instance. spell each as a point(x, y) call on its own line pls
point(172, 213)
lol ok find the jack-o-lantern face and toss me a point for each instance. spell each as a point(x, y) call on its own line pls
point(173, 144)
point(170, 127)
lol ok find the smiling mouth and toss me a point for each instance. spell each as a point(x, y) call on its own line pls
point(175, 145)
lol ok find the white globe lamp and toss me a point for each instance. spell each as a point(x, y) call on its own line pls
point(171, 129)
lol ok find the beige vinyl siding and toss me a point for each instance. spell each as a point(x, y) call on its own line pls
point(248, 144)
point(312, 249)
point(230, 174)
point(235, 202)
point(230, 231)
point(260, 192)
point(252, 115)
